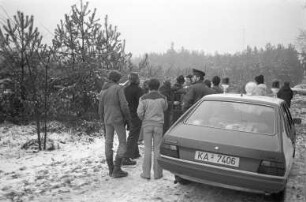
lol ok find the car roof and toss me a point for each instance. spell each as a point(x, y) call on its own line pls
point(265, 100)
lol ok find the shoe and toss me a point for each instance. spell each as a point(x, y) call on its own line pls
point(128, 162)
point(117, 172)
point(136, 156)
point(144, 177)
point(156, 178)
point(110, 165)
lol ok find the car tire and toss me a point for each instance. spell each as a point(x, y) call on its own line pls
point(180, 180)
point(280, 196)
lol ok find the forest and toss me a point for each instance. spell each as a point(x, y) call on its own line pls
point(61, 80)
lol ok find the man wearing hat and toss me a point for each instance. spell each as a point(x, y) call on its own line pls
point(198, 90)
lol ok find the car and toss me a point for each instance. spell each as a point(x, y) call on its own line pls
point(234, 141)
point(299, 89)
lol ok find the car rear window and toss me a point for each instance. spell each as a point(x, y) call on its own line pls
point(238, 116)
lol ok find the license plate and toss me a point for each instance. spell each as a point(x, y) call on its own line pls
point(217, 158)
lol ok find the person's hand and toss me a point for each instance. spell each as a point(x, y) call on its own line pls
point(129, 123)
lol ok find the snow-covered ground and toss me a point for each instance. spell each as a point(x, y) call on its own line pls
point(76, 171)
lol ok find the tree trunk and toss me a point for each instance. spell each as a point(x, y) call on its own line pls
point(37, 118)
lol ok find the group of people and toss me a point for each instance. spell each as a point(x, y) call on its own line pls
point(143, 111)
point(146, 111)
point(258, 87)
point(129, 107)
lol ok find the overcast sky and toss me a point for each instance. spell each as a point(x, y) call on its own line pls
point(226, 26)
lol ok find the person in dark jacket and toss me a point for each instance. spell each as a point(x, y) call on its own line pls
point(132, 93)
point(216, 82)
point(180, 80)
point(285, 93)
point(197, 90)
point(208, 83)
point(145, 90)
point(165, 90)
point(114, 113)
point(178, 91)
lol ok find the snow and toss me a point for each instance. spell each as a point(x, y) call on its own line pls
point(76, 171)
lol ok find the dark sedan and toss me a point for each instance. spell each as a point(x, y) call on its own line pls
point(234, 141)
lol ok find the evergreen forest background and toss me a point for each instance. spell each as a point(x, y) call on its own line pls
point(61, 80)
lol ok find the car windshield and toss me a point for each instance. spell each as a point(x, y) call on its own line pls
point(238, 116)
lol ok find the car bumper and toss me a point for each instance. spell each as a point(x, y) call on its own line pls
point(223, 177)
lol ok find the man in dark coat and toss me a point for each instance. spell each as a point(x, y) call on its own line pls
point(132, 93)
point(165, 90)
point(285, 93)
point(197, 90)
point(178, 92)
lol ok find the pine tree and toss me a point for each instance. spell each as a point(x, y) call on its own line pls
point(21, 46)
point(84, 47)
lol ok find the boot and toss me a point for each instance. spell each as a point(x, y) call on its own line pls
point(117, 172)
point(110, 165)
point(128, 162)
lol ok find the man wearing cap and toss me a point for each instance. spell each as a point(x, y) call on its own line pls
point(114, 112)
point(197, 90)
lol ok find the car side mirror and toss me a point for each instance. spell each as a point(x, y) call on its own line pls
point(297, 120)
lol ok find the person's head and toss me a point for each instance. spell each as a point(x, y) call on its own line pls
point(250, 88)
point(188, 79)
point(207, 83)
point(145, 84)
point(180, 79)
point(287, 84)
point(216, 80)
point(114, 76)
point(259, 79)
point(154, 84)
point(198, 75)
point(275, 84)
point(225, 81)
point(167, 83)
point(133, 78)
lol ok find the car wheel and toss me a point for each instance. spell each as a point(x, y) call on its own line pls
point(280, 196)
point(180, 180)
